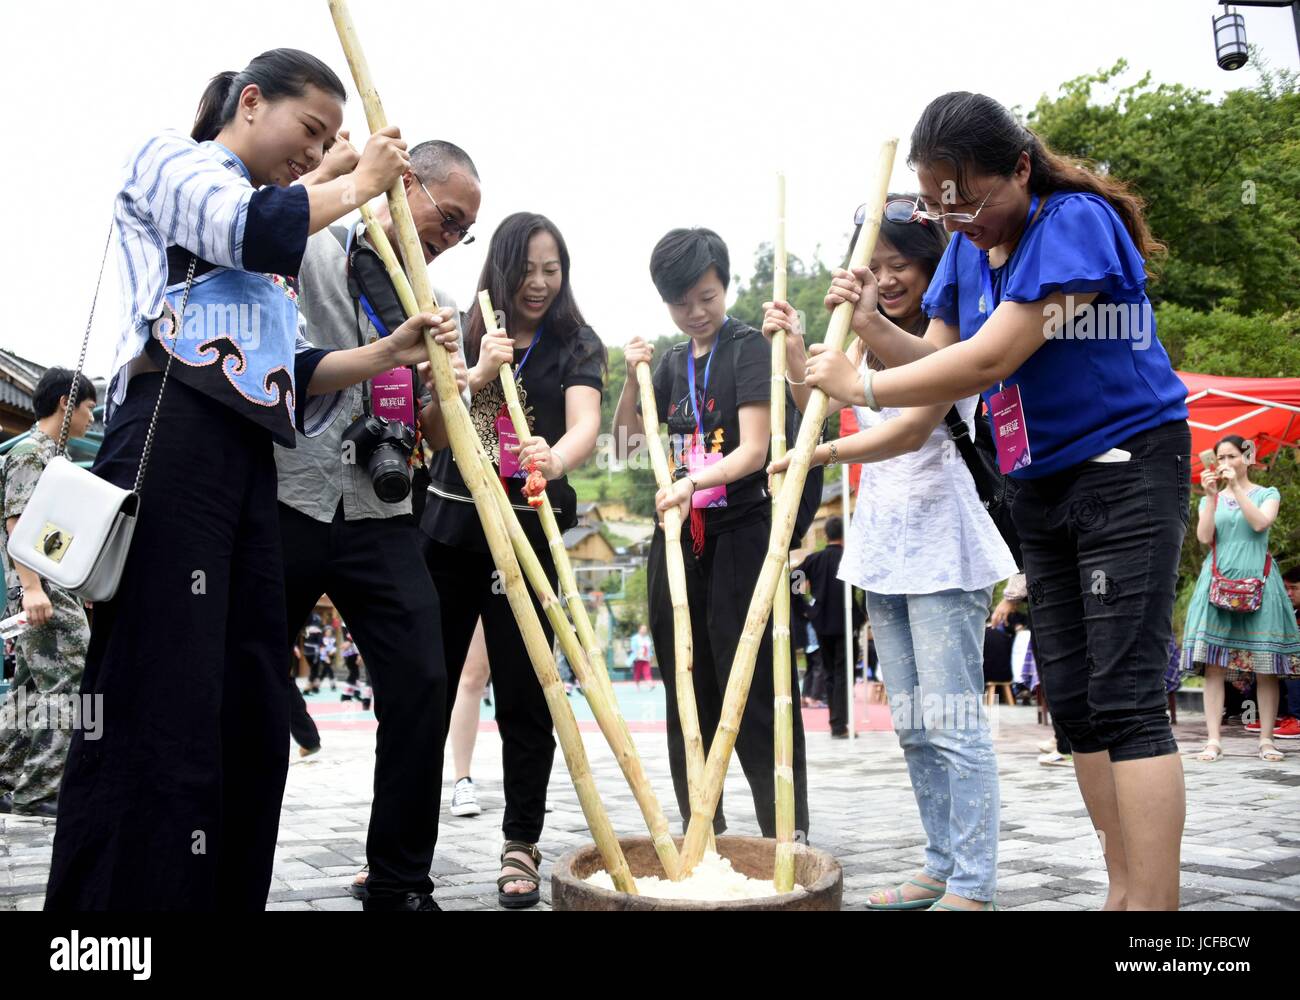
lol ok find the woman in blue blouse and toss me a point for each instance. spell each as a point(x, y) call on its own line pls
point(1040, 304)
point(176, 805)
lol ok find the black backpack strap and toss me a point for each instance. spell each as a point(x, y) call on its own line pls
point(367, 276)
point(960, 432)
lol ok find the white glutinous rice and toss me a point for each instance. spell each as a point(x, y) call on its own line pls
point(712, 880)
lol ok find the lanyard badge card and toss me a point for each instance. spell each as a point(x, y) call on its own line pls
point(1011, 433)
point(696, 457)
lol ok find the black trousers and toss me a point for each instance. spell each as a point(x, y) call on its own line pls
point(322, 669)
point(834, 650)
point(814, 677)
point(177, 805)
point(301, 727)
point(468, 588)
point(1101, 543)
point(718, 586)
point(373, 570)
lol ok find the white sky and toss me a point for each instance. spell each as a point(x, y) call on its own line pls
point(617, 120)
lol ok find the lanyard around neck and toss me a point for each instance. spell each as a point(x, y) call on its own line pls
point(519, 368)
point(698, 401)
point(987, 299)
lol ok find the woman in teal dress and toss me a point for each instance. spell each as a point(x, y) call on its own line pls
point(1235, 517)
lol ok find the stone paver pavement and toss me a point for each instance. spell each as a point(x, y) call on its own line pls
point(1241, 849)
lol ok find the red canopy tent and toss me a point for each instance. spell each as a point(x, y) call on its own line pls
point(1265, 410)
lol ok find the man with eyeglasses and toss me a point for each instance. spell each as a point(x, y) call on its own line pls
point(345, 516)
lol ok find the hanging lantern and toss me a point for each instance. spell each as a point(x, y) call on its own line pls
point(1230, 40)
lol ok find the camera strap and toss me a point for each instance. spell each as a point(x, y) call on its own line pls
point(344, 235)
point(368, 282)
point(377, 306)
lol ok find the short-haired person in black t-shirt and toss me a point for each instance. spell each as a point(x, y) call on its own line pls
point(559, 366)
point(713, 390)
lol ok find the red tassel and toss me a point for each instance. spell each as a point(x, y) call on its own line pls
point(697, 531)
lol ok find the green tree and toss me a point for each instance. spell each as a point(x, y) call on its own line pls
point(636, 603)
point(806, 286)
point(1221, 180)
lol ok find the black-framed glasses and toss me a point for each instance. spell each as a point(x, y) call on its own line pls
point(896, 210)
point(449, 225)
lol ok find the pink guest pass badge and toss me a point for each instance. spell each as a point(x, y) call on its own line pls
point(1010, 430)
point(506, 439)
point(712, 496)
point(392, 395)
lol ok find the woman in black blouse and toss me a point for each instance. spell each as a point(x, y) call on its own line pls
point(559, 365)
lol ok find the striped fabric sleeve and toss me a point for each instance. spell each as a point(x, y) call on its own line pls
point(192, 199)
point(314, 413)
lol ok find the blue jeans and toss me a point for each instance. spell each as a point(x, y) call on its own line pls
point(931, 649)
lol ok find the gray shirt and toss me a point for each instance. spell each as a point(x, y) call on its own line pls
point(313, 476)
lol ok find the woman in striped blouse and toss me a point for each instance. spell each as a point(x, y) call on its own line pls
point(177, 805)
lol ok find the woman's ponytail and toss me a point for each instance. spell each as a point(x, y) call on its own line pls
point(211, 115)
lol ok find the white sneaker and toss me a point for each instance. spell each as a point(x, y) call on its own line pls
point(463, 800)
point(1055, 759)
point(1047, 746)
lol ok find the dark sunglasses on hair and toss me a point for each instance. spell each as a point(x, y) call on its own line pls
point(896, 210)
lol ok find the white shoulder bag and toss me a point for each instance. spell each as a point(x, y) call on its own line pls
point(76, 529)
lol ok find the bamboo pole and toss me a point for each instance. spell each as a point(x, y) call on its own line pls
point(584, 658)
point(687, 713)
point(760, 605)
point(783, 698)
point(379, 240)
point(849, 663)
point(604, 709)
point(467, 449)
point(551, 527)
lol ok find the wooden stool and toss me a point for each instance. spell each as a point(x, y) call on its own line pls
point(991, 692)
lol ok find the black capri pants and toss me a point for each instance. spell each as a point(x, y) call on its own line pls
point(1101, 542)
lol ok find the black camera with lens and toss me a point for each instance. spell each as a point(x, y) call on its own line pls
point(385, 447)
